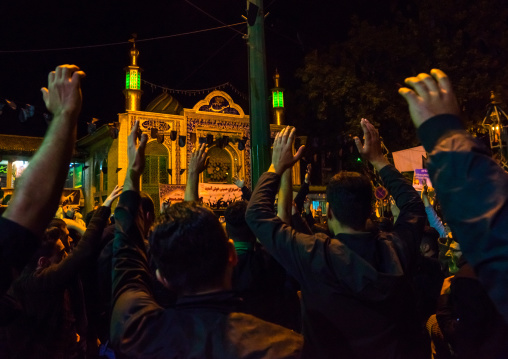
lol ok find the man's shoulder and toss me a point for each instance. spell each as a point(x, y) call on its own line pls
point(251, 335)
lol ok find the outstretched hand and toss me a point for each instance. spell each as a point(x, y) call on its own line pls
point(198, 160)
point(282, 155)
point(238, 181)
point(63, 94)
point(429, 96)
point(371, 149)
point(117, 191)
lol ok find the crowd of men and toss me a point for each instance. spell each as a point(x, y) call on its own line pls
point(271, 282)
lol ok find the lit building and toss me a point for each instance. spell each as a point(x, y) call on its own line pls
point(174, 132)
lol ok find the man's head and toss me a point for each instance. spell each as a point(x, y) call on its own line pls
point(429, 245)
point(64, 232)
point(191, 250)
point(148, 211)
point(51, 250)
point(236, 226)
point(453, 255)
point(349, 196)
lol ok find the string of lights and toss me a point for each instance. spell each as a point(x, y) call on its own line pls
point(194, 92)
point(121, 42)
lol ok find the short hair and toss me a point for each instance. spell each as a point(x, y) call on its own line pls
point(189, 247)
point(349, 195)
point(430, 237)
point(46, 247)
point(58, 223)
point(236, 225)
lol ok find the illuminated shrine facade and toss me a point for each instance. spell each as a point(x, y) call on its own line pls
point(215, 120)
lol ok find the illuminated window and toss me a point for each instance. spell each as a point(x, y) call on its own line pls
point(17, 169)
point(133, 80)
point(278, 100)
point(3, 173)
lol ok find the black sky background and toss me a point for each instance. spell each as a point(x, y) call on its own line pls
point(196, 61)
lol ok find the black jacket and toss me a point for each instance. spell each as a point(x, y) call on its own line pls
point(356, 296)
point(204, 326)
point(473, 191)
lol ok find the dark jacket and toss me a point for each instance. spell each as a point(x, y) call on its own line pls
point(203, 326)
point(356, 296)
point(473, 191)
point(17, 245)
point(52, 301)
point(469, 320)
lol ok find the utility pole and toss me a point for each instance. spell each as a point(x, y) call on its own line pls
point(258, 91)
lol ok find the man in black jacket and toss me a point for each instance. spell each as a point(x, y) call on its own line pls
point(194, 258)
point(356, 296)
point(472, 188)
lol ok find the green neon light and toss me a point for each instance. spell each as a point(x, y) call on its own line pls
point(278, 99)
point(133, 80)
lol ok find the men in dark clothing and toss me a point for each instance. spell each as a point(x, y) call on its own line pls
point(195, 259)
point(54, 323)
point(470, 185)
point(33, 203)
point(356, 293)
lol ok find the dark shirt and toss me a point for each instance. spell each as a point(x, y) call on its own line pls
point(473, 191)
point(201, 326)
point(52, 301)
point(469, 320)
point(17, 244)
point(356, 296)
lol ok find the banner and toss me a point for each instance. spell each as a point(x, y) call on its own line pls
point(169, 194)
point(215, 196)
point(219, 196)
point(421, 178)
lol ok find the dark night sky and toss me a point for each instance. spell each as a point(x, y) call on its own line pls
point(293, 28)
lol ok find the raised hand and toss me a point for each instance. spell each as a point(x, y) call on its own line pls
point(238, 181)
point(429, 96)
point(371, 149)
point(63, 95)
point(117, 191)
point(198, 160)
point(282, 155)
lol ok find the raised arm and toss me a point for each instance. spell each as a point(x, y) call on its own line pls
point(411, 219)
point(470, 185)
point(304, 189)
point(285, 201)
point(133, 306)
point(197, 164)
point(240, 183)
point(39, 189)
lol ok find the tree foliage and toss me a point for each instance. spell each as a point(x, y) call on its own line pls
point(360, 76)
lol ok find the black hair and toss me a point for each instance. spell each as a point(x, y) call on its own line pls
point(46, 247)
point(349, 195)
point(236, 225)
point(58, 223)
point(430, 237)
point(189, 247)
point(147, 204)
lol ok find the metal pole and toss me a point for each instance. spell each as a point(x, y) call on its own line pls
point(258, 92)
